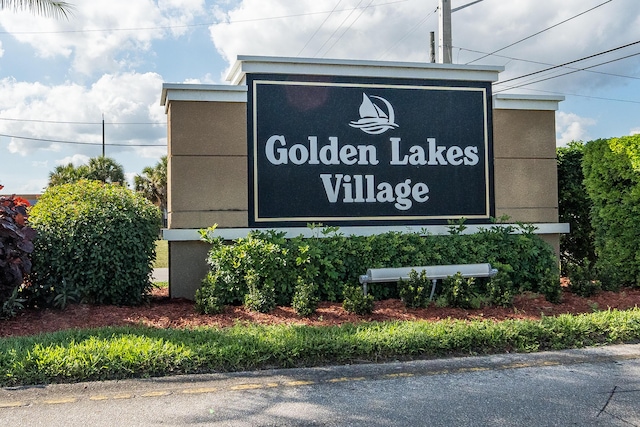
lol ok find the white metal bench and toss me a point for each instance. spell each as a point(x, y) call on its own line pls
point(433, 273)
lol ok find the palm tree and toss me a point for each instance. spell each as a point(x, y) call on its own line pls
point(40, 7)
point(152, 184)
point(105, 169)
point(66, 174)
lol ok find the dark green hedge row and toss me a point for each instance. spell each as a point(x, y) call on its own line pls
point(265, 269)
point(574, 206)
point(612, 179)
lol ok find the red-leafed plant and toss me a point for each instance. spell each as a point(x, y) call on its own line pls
point(16, 246)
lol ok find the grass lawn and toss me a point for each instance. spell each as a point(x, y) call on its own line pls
point(162, 254)
point(136, 351)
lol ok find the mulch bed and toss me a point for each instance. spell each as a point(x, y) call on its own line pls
point(163, 312)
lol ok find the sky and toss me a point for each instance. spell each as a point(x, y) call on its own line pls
point(60, 78)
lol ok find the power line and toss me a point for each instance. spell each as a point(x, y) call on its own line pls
point(204, 24)
point(81, 143)
point(539, 32)
point(318, 29)
point(548, 64)
point(81, 123)
point(581, 96)
point(348, 28)
point(571, 62)
point(569, 72)
point(411, 31)
point(339, 26)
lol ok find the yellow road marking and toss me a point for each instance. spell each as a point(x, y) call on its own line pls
point(113, 396)
point(199, 390)
point(343, 379)
point(301, 382)
point(399, 375)
point(245, 387)
point(61, 400)
point(12, 404)
point(156, 393)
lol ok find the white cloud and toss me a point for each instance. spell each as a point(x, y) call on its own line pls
point(76, 160)
point(571, 127)
point(71, 112)
point(99, 34)
point(400, 31)
point(634, 131)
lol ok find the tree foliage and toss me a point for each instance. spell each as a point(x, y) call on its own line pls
point(100, 168)
point(152, 183)
point(574, 208)
point(61, 9)
point(612, 179)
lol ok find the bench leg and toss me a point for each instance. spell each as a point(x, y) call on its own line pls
point(433, 288)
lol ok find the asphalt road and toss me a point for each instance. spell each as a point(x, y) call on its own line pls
point(588, 387)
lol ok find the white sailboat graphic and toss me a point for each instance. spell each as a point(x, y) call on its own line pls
point(373, 119)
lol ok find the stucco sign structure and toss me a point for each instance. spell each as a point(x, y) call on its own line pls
point(370, 146)
point(353, 151)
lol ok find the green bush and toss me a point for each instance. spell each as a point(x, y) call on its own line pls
point(95, 243)
point(416, 291)
point(269, 262)
point(612, 178)
point(583, 279)
point(500, 289)
point(460, 292)
point(574, 207)
point(356, 302)
point(305, 299)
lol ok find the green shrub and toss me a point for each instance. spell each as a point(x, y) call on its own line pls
point(261, 294)
point(95, 242)
point(415, 292)
point(582, 279)
point(459, 291)
point(273, 262)
point(209, 298)
point(574, 207)
point(355, 301)
point(500, 289)
point(612, 178)
point(305, 299)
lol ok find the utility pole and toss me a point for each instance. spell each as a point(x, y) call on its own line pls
point(432, 46)
point(102, 134)
point(444, 32)
point(444, 29)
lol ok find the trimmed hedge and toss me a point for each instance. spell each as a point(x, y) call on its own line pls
point(95, 243)
point(265, 269)
point(612, 178)
point(574, 207)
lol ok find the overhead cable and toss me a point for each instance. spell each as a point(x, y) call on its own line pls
point(548, 64)
point(82, 143)
point(204, 24)
point(571, 62)
point(539, 32)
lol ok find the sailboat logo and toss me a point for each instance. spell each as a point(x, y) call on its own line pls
point(373, 119)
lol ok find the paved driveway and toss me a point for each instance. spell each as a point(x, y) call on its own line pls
point(589, 387)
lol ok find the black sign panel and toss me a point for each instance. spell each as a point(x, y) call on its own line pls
point(365, 151)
